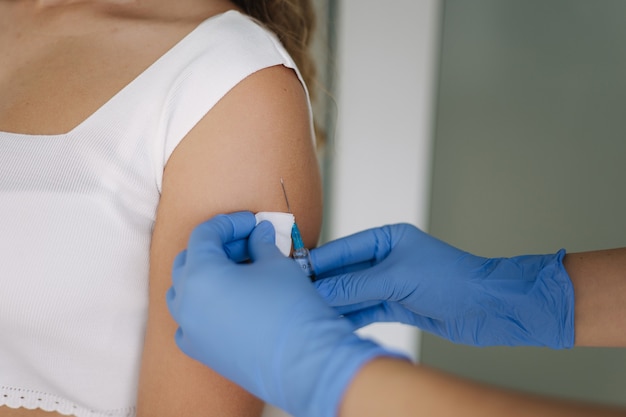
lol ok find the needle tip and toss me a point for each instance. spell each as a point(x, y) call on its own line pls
point(282, 184)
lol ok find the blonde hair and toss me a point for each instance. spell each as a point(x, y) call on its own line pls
point(293, 21)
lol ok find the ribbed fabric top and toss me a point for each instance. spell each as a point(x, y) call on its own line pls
point(76, 216)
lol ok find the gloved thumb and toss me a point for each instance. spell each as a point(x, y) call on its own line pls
point(208, 240)
point(262, 242)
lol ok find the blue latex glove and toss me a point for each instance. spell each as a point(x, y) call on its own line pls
point(262, 324)
point(398, 273)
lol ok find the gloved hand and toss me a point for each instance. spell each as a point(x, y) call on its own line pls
point(262, 324)
point(398, 273)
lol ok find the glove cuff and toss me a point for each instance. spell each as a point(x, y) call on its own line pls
point(539, 310)
point(344, 362)
point(559, 282)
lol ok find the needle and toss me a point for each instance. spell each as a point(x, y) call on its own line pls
point(282, 184)
point(300, 254)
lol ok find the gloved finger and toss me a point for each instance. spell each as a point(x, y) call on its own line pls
point(351, 308)
point(187, 346)
point(177, 267)
point(262, 243)
point(358, 287)
point(237, 250)
point(181, 342)
point(365, 317)
point(170, 299)
point(380, 313)
point(343, 270)
point(179, 260)
point(430, 325)
point(208, 239)
point(367, 247)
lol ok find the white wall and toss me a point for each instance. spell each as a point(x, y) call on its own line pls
point(381, 159)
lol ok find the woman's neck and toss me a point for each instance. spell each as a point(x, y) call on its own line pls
point(171, 10)
point(56, 3)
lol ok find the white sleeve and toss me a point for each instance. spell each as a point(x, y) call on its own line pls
point(220, 57)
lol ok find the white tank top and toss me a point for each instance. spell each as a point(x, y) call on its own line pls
point(76, 216)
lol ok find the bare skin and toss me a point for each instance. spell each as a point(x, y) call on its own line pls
point(599, 279)
point(396, 388)
point(64, 59)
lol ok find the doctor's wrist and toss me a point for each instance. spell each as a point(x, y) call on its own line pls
point(347, 360)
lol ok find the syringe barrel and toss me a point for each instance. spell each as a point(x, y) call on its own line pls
point(302, 257)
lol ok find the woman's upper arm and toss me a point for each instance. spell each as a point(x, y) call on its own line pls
point(232, 160)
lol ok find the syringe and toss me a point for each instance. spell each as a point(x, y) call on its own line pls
point(300, 254)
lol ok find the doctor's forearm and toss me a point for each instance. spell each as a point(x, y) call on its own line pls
point(599, 280)
point(395, 387)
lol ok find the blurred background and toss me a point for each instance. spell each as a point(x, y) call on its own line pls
point(498, 126)
point(530, 157)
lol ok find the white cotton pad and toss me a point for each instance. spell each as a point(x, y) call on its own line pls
point(283, 222)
